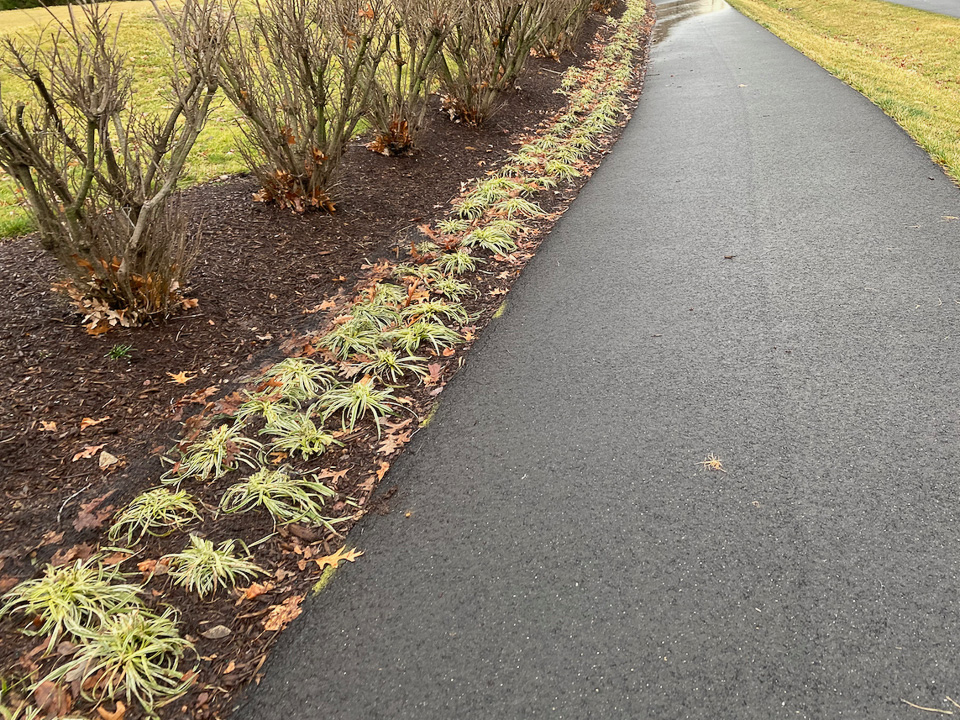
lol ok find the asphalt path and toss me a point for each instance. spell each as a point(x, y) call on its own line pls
point(565, 555)
point(944, 7)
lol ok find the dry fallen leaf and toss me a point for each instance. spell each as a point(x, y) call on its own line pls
point(334, 475)
point(340, 555)
point(283, 614)
point(382, 470)
point(181, 378)
point(434, 369)
point(712, 462)
point(90, 517)
point(51, 538)
point(65, 555)
point(53, 699)
point(107, 460)
point(117, 714)
point(255, 590)
point(90, 422)
point(217, 632)
point(48, 426)
point(88, 452)
point(393, 442)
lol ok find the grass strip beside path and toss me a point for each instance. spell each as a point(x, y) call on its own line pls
point(905, 61)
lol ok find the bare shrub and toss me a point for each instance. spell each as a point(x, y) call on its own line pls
point(302, 75)
point(418, 30)
point(97, 174)
point(564, 25)
point(486, 52)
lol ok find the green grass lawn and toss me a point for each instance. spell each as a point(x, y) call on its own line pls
point(214, 154)
point(906, 61)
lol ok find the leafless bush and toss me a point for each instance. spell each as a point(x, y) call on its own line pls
point(302, 76)
point(418, 31)
point(603, 6)
point(561, 31)
point(486, 53)
point(98, 175)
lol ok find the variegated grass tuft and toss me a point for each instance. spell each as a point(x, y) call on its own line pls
point(214, 454)
point(135, 653)
point(287, 499)
point(356, 401)
point(202, 568)
point(296, 432)
point(157, 512)
point(301, 378)
point(72, 600)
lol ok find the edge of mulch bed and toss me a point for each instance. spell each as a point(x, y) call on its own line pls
point(228, 663)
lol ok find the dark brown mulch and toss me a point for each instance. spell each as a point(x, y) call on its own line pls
point(262, 276)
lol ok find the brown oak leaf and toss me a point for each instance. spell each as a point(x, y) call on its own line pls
point(337, 557)
point(283, 614)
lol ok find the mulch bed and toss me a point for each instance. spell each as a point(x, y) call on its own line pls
point(266, 280)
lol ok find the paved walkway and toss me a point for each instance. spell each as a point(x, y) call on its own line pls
point(566, 556)
point(944, 7)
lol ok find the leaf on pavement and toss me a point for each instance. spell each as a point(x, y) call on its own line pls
point(340, 555)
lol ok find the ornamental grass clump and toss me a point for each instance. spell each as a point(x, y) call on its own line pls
point(300, 378)
point(157, 512)
point(285, 498)
point(387, 363)
point(98, 175)
point(408, 339)
point(269, 407)
point(353, 337)
point(214, 454)
point(203, 568)
point(451, 288)
point(356, 401)
point(136, 654)
point(457, 262)
point(436, 310)
point(492, 239)
point(72, 601)
point(296, 432)
point(302, 74)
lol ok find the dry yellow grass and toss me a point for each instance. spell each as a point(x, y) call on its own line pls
point(906, 61)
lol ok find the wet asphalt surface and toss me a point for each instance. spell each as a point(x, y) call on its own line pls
point(944, 7)
point(566, 556)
